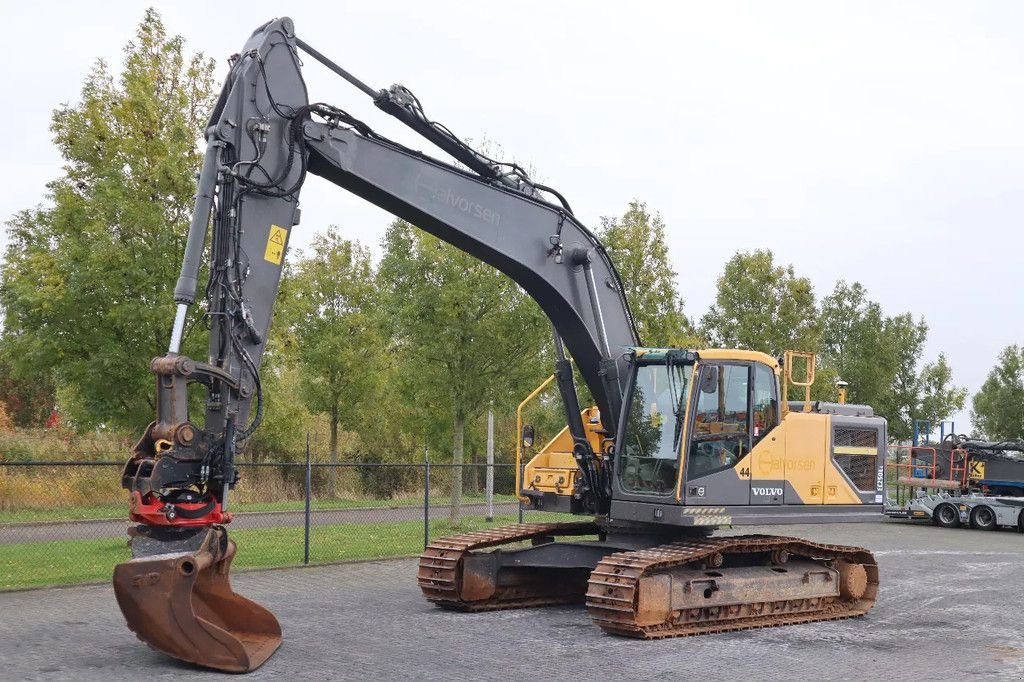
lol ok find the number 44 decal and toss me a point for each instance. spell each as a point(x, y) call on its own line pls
point(745, 472)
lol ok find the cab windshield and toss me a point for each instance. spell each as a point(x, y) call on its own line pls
point(651, 442)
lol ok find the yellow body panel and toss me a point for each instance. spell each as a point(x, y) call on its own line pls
point(855, 450)
point(553, 469)
point(805, 442)
point(767, 460)
point(797, 451)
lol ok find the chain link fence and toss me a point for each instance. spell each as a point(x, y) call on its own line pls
point(66, 522)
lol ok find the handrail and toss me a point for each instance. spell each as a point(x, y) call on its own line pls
point(911, 466)
point(519, 430)
point(788, 379)
point(957, 471)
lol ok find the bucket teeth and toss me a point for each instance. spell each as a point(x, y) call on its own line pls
point(176, 596)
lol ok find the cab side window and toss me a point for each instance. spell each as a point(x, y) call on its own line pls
point(721, 431)
point(766, 401)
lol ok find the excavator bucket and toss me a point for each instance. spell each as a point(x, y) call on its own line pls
point(176, 596)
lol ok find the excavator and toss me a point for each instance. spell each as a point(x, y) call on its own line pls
point(679, 442)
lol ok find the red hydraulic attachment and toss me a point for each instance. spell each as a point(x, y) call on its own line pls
point(152, 511)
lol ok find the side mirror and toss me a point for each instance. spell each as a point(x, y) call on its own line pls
point(527, 435)
point(709, 379)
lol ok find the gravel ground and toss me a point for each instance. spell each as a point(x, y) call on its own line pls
point(949, 608)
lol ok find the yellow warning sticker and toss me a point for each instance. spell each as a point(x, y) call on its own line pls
point(275, 245)
point(977, 470)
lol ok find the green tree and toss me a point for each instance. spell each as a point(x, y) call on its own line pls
point(636, 245)
point(940, 398)
point(879, 356)
point(854, 343)
point(86, 291)
point(859, 343)
point(27, 401)
point(998, 407)
point(762, 306)
point(465, 335)
point(333, 301)
point(902, 350)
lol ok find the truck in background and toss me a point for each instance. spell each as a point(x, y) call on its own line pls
point(959, 482)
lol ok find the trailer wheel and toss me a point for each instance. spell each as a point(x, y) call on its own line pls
point(983, 518)
point(946, 515)
point(1020, 522)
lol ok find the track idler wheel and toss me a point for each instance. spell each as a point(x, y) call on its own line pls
point(853, 580)
point(176, 596)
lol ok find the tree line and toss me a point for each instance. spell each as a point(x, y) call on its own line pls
point(384, 358)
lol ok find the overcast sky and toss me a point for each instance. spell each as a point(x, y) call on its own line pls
point(873, 141)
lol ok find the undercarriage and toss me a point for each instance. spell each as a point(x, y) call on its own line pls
point(648, 585)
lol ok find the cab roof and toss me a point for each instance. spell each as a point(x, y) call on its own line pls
point(655, 354)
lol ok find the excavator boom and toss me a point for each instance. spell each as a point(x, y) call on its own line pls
point(263, 138)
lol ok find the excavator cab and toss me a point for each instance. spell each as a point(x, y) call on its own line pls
point(712, 433)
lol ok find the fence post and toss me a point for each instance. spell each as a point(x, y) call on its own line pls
point(426, 497)
point(309, 494)
point(490, 466)
point(518, 494)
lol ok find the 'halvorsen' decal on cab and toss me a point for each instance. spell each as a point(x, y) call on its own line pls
point(275, 245)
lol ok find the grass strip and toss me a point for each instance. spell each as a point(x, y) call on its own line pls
point(67, 562)
point(117, 510)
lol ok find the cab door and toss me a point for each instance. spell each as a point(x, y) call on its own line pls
point(720, 435)
point(767, 471)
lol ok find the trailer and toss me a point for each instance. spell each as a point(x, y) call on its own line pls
point(958, 483)
point(988, 467)
point(981, 512)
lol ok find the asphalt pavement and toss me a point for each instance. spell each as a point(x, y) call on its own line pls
point(949, 608)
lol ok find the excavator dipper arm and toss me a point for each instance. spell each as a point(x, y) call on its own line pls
point(263, 138)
